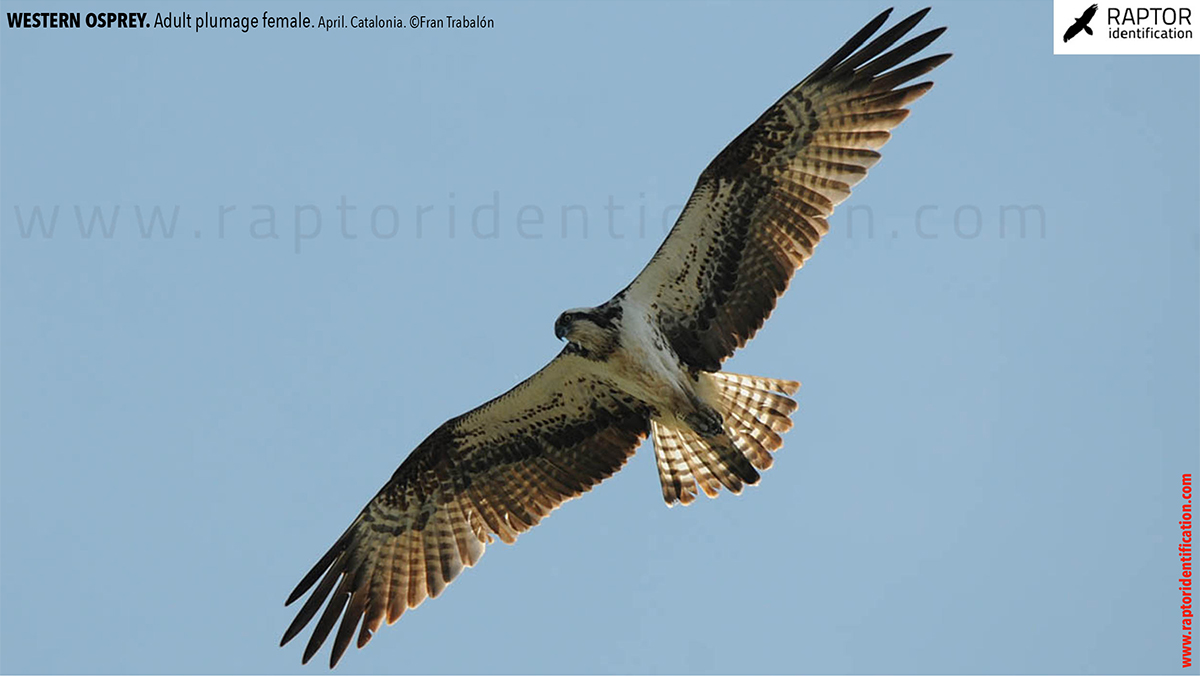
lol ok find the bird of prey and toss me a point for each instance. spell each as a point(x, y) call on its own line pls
point(645, 363)
point(1081, 24)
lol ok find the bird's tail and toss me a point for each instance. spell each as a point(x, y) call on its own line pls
point(754, 411)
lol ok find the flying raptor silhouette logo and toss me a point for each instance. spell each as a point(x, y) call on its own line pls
point(1081, 24)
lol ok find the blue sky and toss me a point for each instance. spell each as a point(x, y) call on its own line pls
point(984, 474)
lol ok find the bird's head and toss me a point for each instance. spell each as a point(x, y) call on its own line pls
point(593, 329)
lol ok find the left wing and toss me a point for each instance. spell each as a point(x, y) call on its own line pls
point(760, 207)
point(496, 470)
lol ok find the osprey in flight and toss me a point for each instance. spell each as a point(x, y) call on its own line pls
point(646, 362)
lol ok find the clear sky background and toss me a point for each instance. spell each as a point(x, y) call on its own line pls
point(985, 471)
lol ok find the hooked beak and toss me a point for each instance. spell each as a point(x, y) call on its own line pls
point(560, 331)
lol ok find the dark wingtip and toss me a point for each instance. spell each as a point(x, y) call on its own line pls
point(309, 651)
point(910, 21)
point(292, 631)
point(851, 45)
point(938, 59)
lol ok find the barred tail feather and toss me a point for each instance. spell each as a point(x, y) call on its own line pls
point(755, 411)
point(674, 471)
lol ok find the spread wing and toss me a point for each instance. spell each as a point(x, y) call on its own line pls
point(1088, 14)
point(761, 206)
point(496, 470)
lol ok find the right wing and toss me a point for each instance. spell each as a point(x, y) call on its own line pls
point(496, 470)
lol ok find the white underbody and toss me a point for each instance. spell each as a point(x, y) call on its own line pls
point(645, 366)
